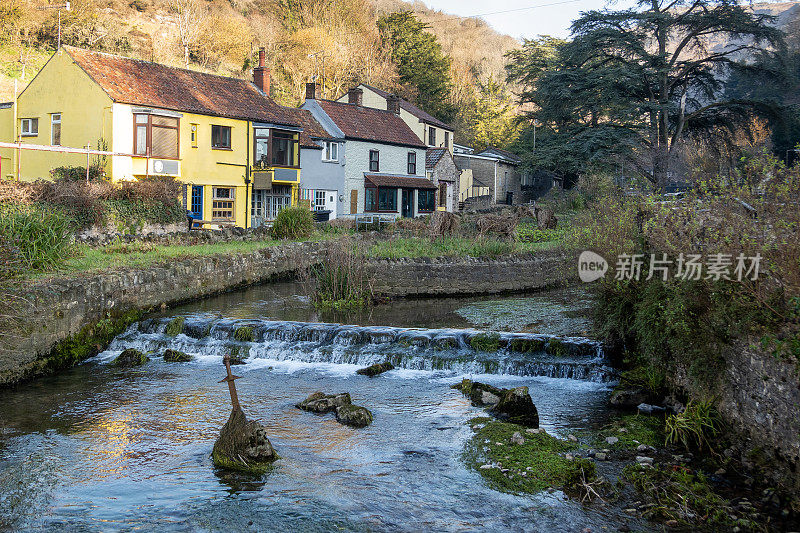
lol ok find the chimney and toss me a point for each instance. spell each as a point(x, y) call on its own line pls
point(356, 96)
point(393, 104)
point(261, 74)
point(311, 91)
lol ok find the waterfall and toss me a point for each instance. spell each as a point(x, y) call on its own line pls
point(460, 351)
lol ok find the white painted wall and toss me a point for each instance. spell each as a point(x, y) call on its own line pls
point(121, 141)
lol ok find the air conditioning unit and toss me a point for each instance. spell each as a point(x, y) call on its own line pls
point(166, 167)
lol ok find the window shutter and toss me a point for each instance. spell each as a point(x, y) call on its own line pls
point(165, 142)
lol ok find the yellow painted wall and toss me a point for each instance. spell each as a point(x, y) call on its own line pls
point(61, 87)
point(6, 134)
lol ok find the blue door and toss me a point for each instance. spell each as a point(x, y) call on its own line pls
point(197, 202)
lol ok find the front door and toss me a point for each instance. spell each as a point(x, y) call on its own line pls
point(408, 203)
point(197, 202)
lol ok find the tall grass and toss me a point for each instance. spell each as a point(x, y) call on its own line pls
point(695, 426)
point(41, 240)
point(293, 223)
point(341, 281)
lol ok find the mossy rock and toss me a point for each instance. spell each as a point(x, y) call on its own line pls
point(130, 358)
point(376, 369)
point(319, 402)
point(243, 334)
point(485, 342)
point(557, 348)
point(175, 356)
point(354, 415)
point(243, 446)
point(527, 345)
point(535, 464)
point(238, 354)
point(174, 327)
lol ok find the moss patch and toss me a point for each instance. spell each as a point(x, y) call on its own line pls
point(243, 334)
point(631, 430)
point(485, 342)
point(174, 327)
point(175, 356)
point(90, 341)
point(531, 467)
point(526, 345)
point(557, 348)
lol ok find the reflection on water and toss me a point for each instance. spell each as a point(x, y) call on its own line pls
point(103, 448)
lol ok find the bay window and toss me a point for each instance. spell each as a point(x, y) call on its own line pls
point(380, 199)
point(426, 200)
point(284, 148)
point(155, 136)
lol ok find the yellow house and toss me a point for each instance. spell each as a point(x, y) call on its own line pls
point(234, 148)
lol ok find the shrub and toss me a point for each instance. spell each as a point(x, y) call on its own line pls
point(36, 240)
point(293, 223)
point(77, 173)
point(340, 282)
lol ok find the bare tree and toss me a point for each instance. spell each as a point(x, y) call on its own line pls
point(190, 17)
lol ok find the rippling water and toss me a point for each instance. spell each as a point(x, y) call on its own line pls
point(100, 448)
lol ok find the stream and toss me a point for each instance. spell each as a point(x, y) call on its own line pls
point(100, 448)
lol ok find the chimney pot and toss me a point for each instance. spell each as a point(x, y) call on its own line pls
point(311, 91)
point(261, 74)
point(355, 96)
point(262, 53)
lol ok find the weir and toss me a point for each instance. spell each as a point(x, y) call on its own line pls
point(456, 351)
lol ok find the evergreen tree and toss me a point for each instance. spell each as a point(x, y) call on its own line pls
point(633, 83)
point(422, 66)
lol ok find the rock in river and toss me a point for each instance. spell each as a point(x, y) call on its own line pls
point(131, 357)
point(175, 356)
point(375, 369)
point(516, 406)
point(354, 415)
point(243, 445)
point(319, 402)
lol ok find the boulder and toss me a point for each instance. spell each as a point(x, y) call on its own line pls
point(516, 406)
point(243, 445)
point(320, 402)
point(546, 218)
point(375, 369)
point(175, 356)
point(131, 357)
point(353, 415)
point(480, 394)
point(628, 398)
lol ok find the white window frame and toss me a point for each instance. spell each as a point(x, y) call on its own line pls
point(55, 118)
point(26, 129)
point(330, 153)
point(319, 200)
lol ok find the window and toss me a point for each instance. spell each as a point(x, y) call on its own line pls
point(262, 147)
point(55, 129)
point(426, 200)
point(374, 161)
point(155, 136)
point(221, 137)
point(412, 162)
point(30, 127)
point(442, 195)
point(284, 147)
point(224, 201)
point(447, 139)
point(387, 199)
point(369, 199)
point(431, 136)
point(331, 152)
point(193, 135)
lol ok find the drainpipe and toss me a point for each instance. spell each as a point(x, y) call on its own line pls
point(494, 194)
point(16, 154)
point(247, 180)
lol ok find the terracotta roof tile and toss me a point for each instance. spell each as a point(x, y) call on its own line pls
point(414, 110)
point(406, 182)
point(137, 82)
point(368, 124)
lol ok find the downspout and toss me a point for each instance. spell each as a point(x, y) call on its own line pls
point(247, 180)
point(17, 155)
point(495, 183)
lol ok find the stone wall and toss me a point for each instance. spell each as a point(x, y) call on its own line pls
point(459, 276)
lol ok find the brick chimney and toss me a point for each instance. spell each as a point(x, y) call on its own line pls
point(355, 96)
point(311, 91)
point(393, 104)
point(261, 74)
